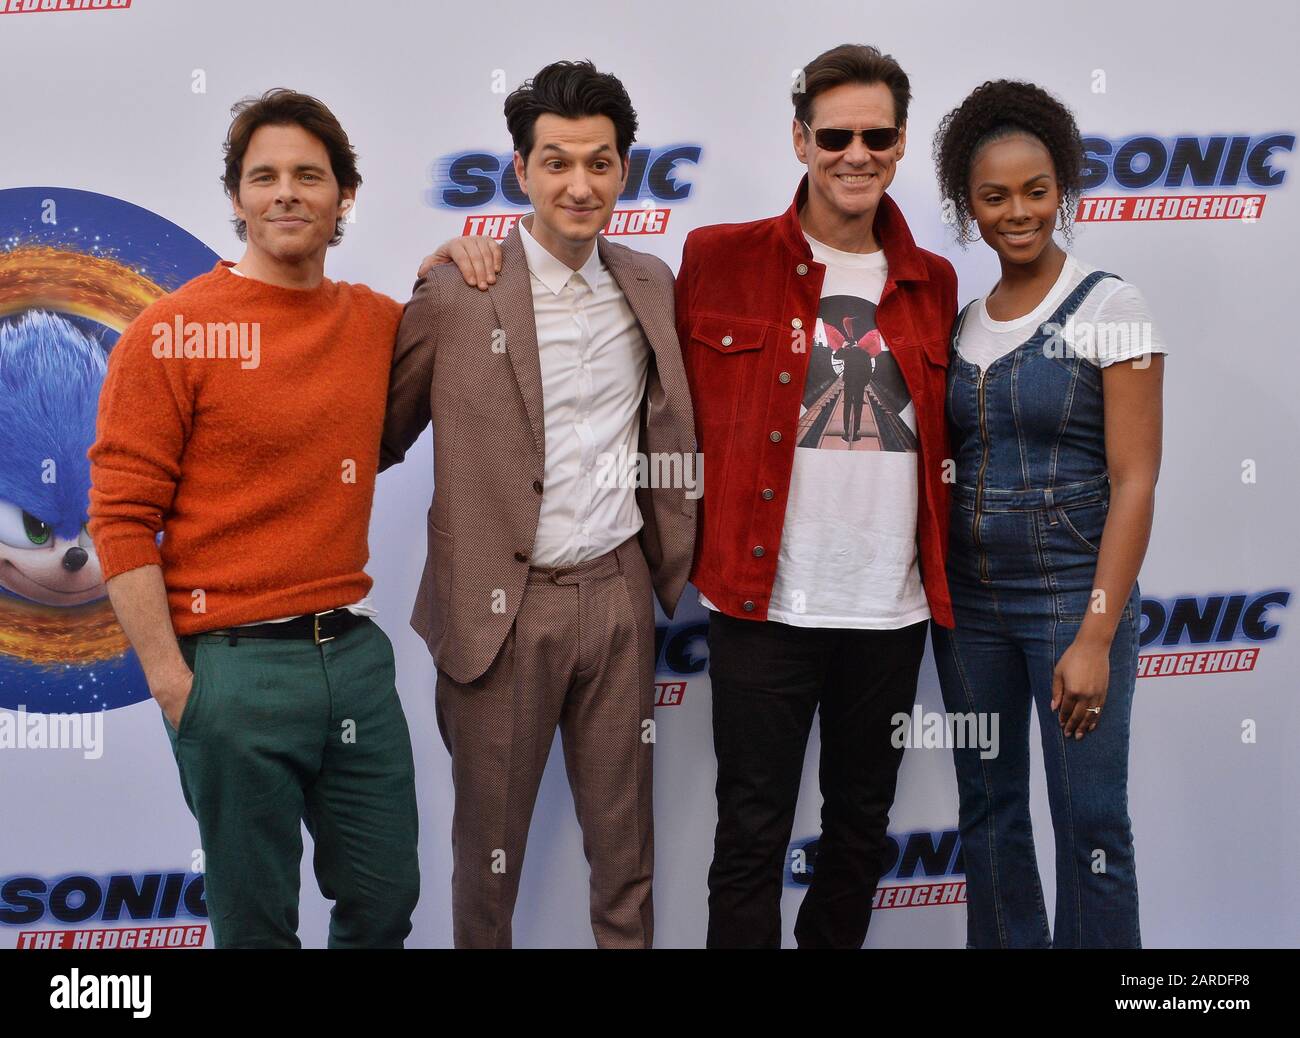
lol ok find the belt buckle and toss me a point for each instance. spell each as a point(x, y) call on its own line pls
point(316, 627)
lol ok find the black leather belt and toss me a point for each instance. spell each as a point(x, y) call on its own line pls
point(318, 627)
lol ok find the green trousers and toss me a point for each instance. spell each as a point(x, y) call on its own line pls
point(280, 732)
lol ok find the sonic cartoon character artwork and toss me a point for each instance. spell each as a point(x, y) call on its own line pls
point(50, 375)
point(75, 268)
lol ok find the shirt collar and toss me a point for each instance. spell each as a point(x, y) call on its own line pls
point(904, 258)
point(554, 273)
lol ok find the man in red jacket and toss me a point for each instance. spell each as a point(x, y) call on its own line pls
point(821, 544)
point(822, 564)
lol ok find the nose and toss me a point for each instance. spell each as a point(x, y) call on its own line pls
point(579, 186)
point(286, 190)
point(1018, 210)
point(857, 152)
point(74, 559)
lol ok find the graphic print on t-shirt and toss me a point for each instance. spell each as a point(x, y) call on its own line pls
point(854, 396)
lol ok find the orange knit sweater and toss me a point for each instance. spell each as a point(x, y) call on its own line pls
point(243, 421)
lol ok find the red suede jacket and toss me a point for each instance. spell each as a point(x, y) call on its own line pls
point(747, 300)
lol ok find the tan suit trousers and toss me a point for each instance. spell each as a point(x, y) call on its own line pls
point(580, 655)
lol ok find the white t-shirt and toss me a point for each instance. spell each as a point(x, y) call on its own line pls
point(1111, 324)
point(848, 555)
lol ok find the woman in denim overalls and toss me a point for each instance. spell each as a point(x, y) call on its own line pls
point(1050, 519)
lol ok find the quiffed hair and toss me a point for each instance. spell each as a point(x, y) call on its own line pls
point(851, 63)
point(571, 90)
point(283, 107)
point(996, 110)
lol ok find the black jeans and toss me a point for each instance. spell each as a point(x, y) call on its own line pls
point(768, 680)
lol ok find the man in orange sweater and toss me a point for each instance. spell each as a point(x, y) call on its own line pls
point(241, 417)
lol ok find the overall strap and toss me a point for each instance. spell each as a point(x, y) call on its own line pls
point(958, 325)
point(1075, 299)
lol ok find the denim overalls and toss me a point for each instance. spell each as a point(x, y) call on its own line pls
point(1028, 508)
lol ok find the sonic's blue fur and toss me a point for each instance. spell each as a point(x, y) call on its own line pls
point(50, 376)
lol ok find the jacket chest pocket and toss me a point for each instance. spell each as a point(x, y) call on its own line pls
point(727, 363)
point(730, 334)
point(934, 372)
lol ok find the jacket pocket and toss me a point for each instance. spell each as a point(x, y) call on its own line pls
point(440, 552)
point(429, 616)
point(936, 351)
point(729, 334)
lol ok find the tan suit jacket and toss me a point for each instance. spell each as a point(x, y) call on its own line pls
point(468, 361)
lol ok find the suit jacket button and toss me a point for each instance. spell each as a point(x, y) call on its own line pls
point(796, 323)
point(727, 340)
point(801, 269)
point(768, 495)
point(748, 607)
point(774, 436)
point(520, 557)
point(537, 485)
point(758, 551)
point(784, 378)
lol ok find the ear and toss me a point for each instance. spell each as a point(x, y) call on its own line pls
point(801, 143)
point(236, 208)
point(519, 173)
point(901, 146)
point(347, 199)
point(622, 183)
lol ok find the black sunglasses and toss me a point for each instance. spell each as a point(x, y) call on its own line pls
point(829, 138)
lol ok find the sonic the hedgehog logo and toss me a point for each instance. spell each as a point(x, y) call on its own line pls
point(75, 268)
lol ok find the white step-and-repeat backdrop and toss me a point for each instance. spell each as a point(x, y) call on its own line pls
point(111, 130)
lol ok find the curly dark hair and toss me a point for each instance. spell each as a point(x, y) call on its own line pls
point(995, 110)
point(571, 90)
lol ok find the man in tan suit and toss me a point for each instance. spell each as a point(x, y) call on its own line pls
point(543, 556)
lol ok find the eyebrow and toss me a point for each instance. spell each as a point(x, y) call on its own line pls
point(561, 151)
point(1000, 187)
point(309, 167)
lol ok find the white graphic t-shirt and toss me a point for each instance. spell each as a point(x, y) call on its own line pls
point(848, 554)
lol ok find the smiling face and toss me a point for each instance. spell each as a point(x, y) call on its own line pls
point(573, 178)
point(1014, 197)
point(43, 567)
point(288, 196)
point(848, 185)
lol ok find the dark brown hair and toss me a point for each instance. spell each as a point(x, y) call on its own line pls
point(851, 63)
point(283, 107)
point(571, 90)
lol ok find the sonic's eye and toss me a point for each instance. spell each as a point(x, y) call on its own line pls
point(19, 529)
point(38, 532)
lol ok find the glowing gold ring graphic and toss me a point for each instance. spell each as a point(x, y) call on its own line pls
point(111, 293)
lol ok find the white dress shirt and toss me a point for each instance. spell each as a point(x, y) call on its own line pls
point(594, 358)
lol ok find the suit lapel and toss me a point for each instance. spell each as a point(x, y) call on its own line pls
point(635, 284)
point(653, 311)
point(512, 297)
